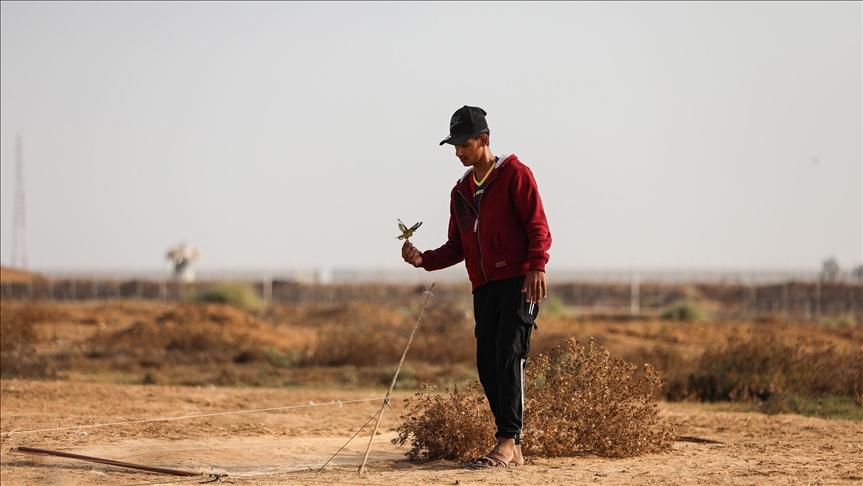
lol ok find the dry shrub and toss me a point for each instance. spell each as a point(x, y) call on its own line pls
point(675, 369)
point(583, 400)
point(16, 329)
point(579, 400)
point(687, 310)
point(240, 295)
point(193, 333)
point(346, 314)
point(363, 344)
point(18, 357)
point(355, 334)
point(445, 336)
point(452, 425)
point(217, 313)
point(765, 365)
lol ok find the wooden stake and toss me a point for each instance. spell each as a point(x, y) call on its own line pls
point(395, 377)
point(110, 462)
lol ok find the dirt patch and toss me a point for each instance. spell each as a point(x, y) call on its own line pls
point(279, 448)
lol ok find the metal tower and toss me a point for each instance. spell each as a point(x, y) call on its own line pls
point(19, 239)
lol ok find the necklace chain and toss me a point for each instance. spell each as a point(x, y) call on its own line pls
point(482, 181)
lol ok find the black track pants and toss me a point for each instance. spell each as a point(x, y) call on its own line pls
point(502, 344)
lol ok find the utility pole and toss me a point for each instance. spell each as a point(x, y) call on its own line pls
point(19, 235)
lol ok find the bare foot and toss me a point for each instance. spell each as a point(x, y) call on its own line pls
point(517, 458)
point(502, 455)
point(508, 451)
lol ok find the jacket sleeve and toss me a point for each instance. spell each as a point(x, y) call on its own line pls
point(528, 207)
point(450, 252)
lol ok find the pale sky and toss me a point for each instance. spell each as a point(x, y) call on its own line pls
point(290, 135)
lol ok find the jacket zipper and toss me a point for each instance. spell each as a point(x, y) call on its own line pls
point(476, 224)
point(476, 230)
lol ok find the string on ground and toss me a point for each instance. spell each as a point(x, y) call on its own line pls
point(337, 403)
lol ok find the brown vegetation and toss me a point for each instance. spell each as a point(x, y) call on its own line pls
point(361, 337)
point(580, 400)
point(10, 275)
point(192, 333)
point(356, 344)
point(452, 425)
point(765, 366)
point(18, 340)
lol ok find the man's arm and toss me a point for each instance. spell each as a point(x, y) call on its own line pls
point(446, 255)
point(534, 288)
point(411, 255)
point(529, 209)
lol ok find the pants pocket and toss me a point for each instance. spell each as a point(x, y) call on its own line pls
point(527, 318)
point(528, 330)
point(528, 313)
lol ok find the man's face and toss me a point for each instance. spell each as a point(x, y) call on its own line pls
point(471, 151)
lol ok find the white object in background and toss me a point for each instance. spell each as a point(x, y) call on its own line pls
point(181, 257)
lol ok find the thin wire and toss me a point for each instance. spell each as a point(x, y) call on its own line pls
point(395, 415)
point(191, 445)
point(352, 438)
point(172, 481)
point(182, 417)
point(428, 293)
point(145, 448)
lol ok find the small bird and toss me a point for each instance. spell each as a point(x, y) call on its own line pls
point(406, 232)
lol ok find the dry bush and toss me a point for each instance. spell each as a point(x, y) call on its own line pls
point(675, 369)
point(761, 364)
point(445, 336)
point(217, 313)
point(687, 310)
point(355, 334)
point(452, 425)
point(193, 333)
point(583, 400)
point(579, 400)
point(240, 295)
point(18, 357)
point(346, 314)
point(16, 328)
point(363, 344)
point(765, 365)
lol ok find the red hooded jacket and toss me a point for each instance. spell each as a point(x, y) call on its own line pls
point(506, 237)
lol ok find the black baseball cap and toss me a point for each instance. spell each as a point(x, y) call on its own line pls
point(467, 122)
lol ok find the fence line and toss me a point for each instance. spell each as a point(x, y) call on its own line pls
point(637, 294)
point(456, 274)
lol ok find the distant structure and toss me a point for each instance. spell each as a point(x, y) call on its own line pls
point(182, 256)
point(19, 235)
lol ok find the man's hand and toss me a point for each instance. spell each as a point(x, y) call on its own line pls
point(411, 254)
point(534, 288)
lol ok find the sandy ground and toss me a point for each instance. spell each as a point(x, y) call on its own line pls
point(288, 446)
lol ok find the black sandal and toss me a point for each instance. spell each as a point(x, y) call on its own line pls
point(486, 462)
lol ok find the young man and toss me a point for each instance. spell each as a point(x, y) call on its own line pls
point(498, 227)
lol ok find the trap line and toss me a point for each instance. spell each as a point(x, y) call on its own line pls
point(219, 477)
point(428, 293)
point(337, 403)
